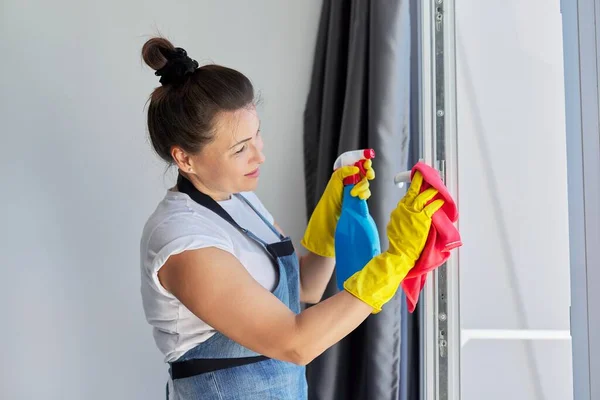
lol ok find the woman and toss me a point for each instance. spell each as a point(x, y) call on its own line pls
point(221, 283)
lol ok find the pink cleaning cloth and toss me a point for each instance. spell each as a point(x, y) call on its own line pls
point(443, 236)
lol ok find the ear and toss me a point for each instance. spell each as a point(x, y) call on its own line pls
point(181, 158)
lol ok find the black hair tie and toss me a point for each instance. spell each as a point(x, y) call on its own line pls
point(178, 66)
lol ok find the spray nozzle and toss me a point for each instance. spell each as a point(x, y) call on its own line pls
point(357, 158)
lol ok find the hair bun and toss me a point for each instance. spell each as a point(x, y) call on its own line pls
point(171, 63)
point(178, 66)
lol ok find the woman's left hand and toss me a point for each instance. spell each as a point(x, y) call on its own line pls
point(319, 235)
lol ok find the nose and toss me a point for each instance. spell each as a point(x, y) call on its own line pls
point(261, 157)
point(257, 156)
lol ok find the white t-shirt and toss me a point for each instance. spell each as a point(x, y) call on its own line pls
point(180, 224)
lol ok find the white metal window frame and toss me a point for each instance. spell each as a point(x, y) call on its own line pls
point(440, 320)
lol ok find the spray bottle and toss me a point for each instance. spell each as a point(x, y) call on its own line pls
point(356, 236)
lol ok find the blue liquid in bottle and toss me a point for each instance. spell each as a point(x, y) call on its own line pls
point(356, 237)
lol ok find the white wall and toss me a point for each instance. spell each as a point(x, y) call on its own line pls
point(79, 178)
point(514, 267)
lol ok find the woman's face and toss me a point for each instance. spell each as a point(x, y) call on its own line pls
point(230, 163)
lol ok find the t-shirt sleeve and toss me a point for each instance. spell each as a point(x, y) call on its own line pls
point(253, 198)
point(181, 233)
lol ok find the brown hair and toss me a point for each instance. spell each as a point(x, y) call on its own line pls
point(183, 113)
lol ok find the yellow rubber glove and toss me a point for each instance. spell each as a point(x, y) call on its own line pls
point(319, 235)
point(407, 233)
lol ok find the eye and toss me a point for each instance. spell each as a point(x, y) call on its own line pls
point(241, 150)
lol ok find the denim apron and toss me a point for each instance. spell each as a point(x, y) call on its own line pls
point(222, 369)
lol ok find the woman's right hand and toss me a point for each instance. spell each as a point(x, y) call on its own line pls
point(407, 233)
point(410, 221)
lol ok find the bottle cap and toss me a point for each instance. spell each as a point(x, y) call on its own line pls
point(369, 154)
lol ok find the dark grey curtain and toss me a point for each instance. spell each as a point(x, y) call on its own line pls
point(359, 98)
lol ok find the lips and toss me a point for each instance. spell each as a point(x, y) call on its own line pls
point(254, 173)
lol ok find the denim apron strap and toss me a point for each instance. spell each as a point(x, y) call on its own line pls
point(282, 248)
point(266, 221)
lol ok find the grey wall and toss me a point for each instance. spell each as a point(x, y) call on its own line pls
point(78, 176)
